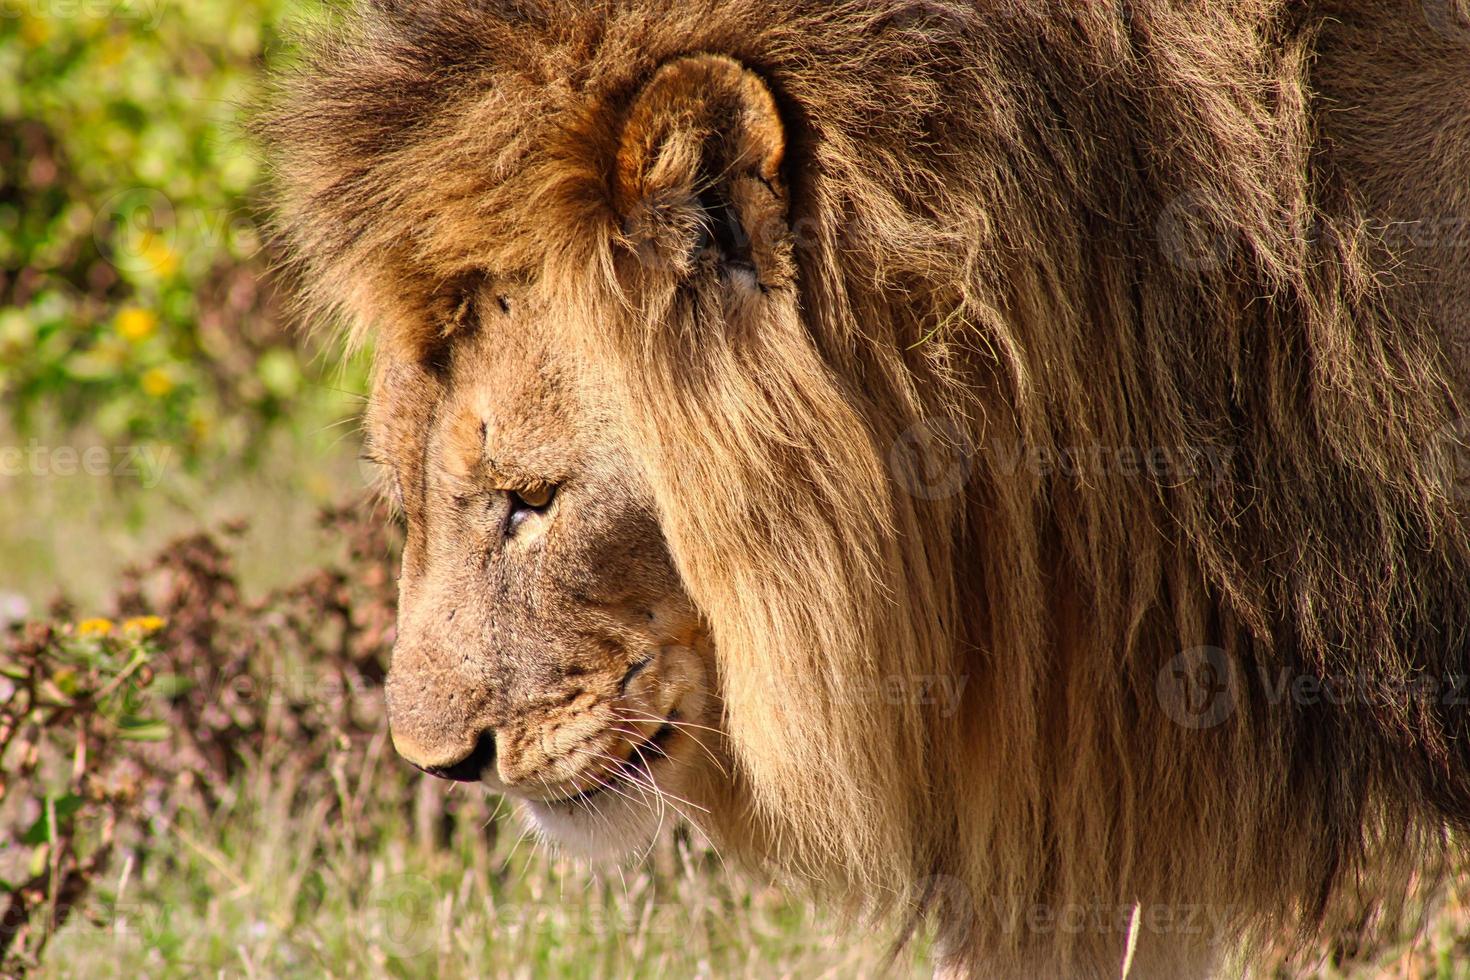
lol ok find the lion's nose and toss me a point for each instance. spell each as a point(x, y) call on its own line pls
point(440, 722)
point(471, 767)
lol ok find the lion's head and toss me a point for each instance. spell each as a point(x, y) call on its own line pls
point(546, 645)
point(848, 423)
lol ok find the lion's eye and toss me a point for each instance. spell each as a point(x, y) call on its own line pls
point(524, 503)
point(537, 499)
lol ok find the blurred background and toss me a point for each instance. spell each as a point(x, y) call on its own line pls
point(196, 593)
point(139, 317)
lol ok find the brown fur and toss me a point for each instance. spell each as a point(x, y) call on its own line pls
point(810, 301)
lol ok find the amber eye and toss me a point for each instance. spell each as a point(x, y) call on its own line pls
point(535, 499)
point(524, 503)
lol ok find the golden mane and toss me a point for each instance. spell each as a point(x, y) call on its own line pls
point(1093, 386)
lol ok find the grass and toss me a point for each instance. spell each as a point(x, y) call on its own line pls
point(76, 533)
point(274, 891)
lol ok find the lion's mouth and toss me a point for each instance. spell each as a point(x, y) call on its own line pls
point(634, 770)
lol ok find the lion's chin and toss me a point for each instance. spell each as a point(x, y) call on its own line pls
point(624, 819)
point(616, 829)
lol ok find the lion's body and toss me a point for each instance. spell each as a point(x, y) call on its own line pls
point(1153, 240)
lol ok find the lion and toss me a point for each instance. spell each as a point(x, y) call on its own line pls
point(996, 465)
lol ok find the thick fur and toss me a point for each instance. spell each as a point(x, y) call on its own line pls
point(1011, 232)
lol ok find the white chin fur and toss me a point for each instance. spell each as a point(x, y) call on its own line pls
point(618, 827)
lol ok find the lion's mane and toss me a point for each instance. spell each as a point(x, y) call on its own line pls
point(1021, 232)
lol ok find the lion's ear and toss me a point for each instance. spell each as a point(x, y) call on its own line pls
point(699, 173)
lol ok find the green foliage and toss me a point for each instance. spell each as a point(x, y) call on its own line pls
point(134, 295)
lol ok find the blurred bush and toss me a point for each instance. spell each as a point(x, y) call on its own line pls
point(135, 298)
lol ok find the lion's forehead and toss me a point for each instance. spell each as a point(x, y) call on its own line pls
point(507, 400)
point(505, 443)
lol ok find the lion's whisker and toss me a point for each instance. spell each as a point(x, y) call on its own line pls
point(707, 750)
point(645, 777)
point(683, 725)
point(673, 722)
point(643, 801)
point(671, 798)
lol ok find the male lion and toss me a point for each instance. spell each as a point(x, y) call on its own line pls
point(993, 462)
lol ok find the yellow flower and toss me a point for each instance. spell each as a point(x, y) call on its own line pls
point(201, 427)
point(113, 50)
point(34, 31)
point(144, 624)
point(161, 258)
point(157, 383)
point(136, 324)
point(95, 627)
